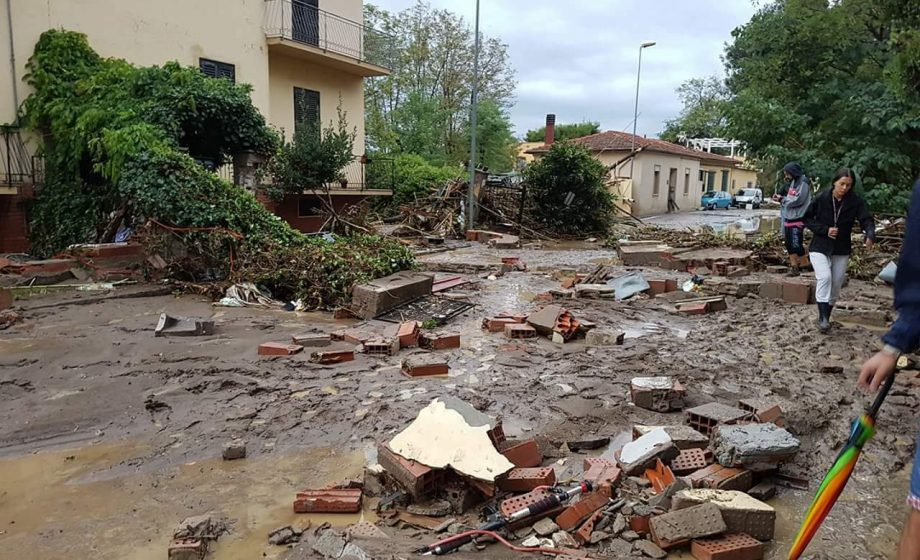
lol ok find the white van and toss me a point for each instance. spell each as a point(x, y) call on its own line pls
point(744, 197)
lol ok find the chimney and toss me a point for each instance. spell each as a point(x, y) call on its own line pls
point(550, 136)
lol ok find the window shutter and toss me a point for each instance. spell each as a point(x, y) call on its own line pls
point(215, 69)
point(306, 108)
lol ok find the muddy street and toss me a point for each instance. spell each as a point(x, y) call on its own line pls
point(110, 436)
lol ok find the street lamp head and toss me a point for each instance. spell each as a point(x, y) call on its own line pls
point(648, 44)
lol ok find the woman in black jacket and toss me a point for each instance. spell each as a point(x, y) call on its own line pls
point(831, 217)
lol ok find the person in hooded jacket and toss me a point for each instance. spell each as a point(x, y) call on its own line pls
point(794, 199)
point(831, 217)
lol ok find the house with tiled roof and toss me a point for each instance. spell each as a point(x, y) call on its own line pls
point(661, 177)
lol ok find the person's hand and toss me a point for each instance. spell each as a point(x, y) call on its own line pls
point(870, 244)
point(876, 370)
point(832, 232)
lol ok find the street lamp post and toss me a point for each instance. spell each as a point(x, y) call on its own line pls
point(474, 101)
point(636, 111)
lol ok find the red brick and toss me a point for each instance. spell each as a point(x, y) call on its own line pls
point(696, 308)
point(520, 331)
point(640, 523)
point(408, 334)
point(517, 503)
point(418, 479)
point(511, 260)
point(526, 480)
point(661, 477)
point(525, 454)
point(333, 357)
point(689, 461)
point(343, 313)
point(425, 366)
point(657, 287)
point(717, 477)
point(497, 324)
point(6, 298)
point(601, 471)
point(670, 285)
point(279, 349)
point(771, 290)
point(381, 347)
point(797, 292)
point(472, 235)
point(328, 501)
point(356, 336)
point(583, 534)
point(736, 546)
point(187, 549)
point(575, 514)
point(439, 341)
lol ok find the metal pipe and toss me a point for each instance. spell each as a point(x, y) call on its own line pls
point(9, 23)
point(636, 111)
point(471, 195)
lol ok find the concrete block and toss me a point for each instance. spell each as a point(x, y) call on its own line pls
point(561, 539)
point(741, 512)
point(577, 513)
point(424, 366)
point(642, 453)
point(545, 319)
point(526, 454)
point(526, 479)
point(706, 417)
point(733, 546)
point(233, 450)
point(763, 491)
point(545, 527)
point(689, 461)
point(520, 331)
point(183, 326)
point(753, 444)
point(650, 549)
point(604, 338)
point(346, 500)
point(642, 253)
point(771, 290)
point(678, 528)
point(798, 293)
point(312, 340)
point(506, 242)
point(384, 294)
point(661, 394)
point(684, 437)
point(332, 357)
point(717, 477)
point(279, 349)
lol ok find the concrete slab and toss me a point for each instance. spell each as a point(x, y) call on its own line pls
point(384, 294)
point(741, 512)
point(678, 528)
point(753, 444)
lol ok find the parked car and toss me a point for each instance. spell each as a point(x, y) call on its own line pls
point(748, 196)
point(715, 199)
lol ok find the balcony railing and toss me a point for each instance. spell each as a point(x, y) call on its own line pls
point(298, 21)
point(17, 165)
point(367, 174)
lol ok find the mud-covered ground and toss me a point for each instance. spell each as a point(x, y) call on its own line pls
point(110, 436)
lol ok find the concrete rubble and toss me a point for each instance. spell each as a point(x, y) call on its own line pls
point(753, 444)
point(661, 394)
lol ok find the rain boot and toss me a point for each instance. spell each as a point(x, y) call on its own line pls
point(824, 317)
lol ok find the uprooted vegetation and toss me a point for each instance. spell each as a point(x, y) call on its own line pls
point(125, 147)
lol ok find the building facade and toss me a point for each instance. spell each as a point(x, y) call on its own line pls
point(303, 58)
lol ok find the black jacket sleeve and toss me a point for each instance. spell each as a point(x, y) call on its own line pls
point(866, 220)
point(811, 217)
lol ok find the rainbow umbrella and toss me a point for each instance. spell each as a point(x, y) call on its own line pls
point(836, 479)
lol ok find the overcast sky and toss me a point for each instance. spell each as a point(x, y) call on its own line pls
point(578, 58)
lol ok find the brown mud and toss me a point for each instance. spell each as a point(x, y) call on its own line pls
point(109, 436)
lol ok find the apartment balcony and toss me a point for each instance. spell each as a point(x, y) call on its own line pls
point(18, 167)
point(298, 29)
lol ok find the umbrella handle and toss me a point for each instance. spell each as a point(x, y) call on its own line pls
point(883, 392)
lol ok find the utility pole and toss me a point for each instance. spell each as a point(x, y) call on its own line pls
point(632, 161)
point(474, 102)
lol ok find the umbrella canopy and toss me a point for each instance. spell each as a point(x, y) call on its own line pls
point(836, 479)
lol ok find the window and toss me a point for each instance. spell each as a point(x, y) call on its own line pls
point(309, 207)
point(215, 69)
point(306, 109)
point(656, 186)
point(686, 181)
point(724, 180)
point(733, 185)
point(702, 175)
point(750, 184)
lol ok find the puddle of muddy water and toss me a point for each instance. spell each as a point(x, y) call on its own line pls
point(53, 505)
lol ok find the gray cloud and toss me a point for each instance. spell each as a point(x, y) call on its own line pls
point(578, 58)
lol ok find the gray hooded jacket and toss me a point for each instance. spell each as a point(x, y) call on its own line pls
point(797, 196)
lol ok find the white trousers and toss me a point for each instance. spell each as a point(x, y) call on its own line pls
point(830, 272)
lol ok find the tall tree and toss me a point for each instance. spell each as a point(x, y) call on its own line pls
point(564, 131)
point(495, 144)
point(832, 84)
point(704, 113)
point(429, 90)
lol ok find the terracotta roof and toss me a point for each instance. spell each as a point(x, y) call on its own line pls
point(623, 141)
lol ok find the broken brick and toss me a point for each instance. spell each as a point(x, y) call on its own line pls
point(187, 549)
point(706, 417)
point(381, 347)
point(601, 471)
point(764, 412)
point(734, 546)
point(583, 534)
point(527, 479)
point(689, 460)
point(661, 394)
point(328, 501)
point(497, 324)
point(408, 334)
point(677, 528)
point(661, 477)
point(520, 331)
point(798, 293)
point(332, 357)
point(526, 454)
point(575, 514)
point(717, 477)
point(424, 366)
point(439, 341)
point(279, 349)
point(418, 479)
point(312, 340)
point(517, 503)
point(357, 336)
